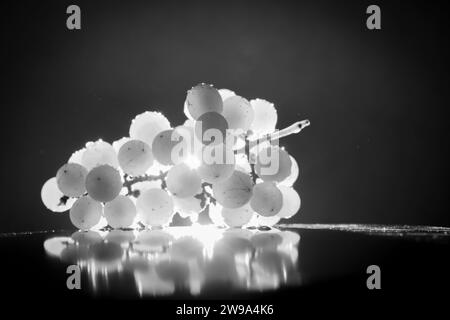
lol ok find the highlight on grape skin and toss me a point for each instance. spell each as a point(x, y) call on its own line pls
point(159, 171)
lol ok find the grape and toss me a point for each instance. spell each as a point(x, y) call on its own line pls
point(103, 183)
point(99, 153)
point(77, 156)
point(226, 93)
point(211, 127)
point(120, 212)
point(51, 197)
point(155, 207)
point(203, 98)
point(218, 163)
point(71, 179)
point(273, 164)
point(265, 117)
point(238, 112)
point(235, 191)
point(237, 217)
point(135, 157)
point(85, 213)
point(183, 181)
point(119, 143)
point(267, 199)
point(147, 125)
point(291, 202)
point(293, 176)
point(187, 206)
point(215, 172)
point(163, 145)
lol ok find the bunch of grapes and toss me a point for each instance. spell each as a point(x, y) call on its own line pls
point(224, 160)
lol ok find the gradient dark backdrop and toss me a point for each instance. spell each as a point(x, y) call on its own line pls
point(377, 148)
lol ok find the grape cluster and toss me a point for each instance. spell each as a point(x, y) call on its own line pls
point(225, 159)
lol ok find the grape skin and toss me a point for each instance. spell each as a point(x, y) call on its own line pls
point(120, 212)
point(51, 197)
point(155, 207)
point(216, 166)
point(238, 112)
point(237, 217)
point(235, 191)
point(293, 176)
point(182, 181)
point(203, 98)
point(147, 125)
point(71, 178)
point(211, 127)
point(226, 93)
point(85, 213)
point(135, 157)
point(267, 199)
point(163, 144)
point(284, 164)
point(291, 202)
point(265, 117)
point(215, 172)
point(103, 183)
point(99, 153)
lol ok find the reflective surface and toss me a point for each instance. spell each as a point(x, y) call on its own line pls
point(198, 263)
point(181, 260)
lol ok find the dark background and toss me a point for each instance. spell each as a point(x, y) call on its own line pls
point(377, 148)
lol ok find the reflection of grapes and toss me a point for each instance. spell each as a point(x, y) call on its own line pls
point(199, 165)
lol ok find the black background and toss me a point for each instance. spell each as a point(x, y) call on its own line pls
point(377, 148)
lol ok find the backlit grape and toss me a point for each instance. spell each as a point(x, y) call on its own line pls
point(85, 213)
point(203, 98)
point(235, 191)
point(120, 212)
point(135, 157)
point(103, 183)
point(267, 199)
point(71, 179)
point(155, 207)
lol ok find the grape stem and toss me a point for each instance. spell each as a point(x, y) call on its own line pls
point(130, 181)
point(292, 129)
